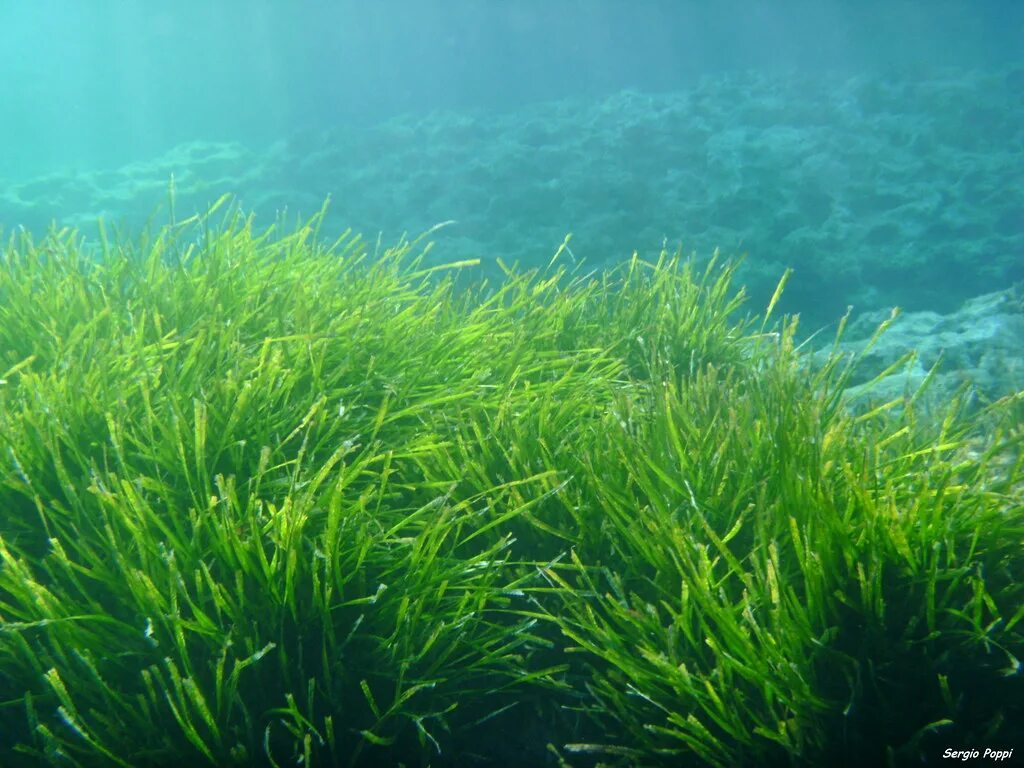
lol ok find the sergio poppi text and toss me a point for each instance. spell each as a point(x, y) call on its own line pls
point(972, 754)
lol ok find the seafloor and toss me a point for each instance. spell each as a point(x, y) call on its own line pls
point(879, 191)
point(268, 502)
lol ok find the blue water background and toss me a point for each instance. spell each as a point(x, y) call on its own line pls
point(95, 84)
point(875, 147)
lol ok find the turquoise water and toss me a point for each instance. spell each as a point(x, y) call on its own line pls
point(877, 149)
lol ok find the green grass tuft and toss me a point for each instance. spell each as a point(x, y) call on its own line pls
point(266, 500)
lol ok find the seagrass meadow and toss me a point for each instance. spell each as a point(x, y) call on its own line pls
point(267, 499)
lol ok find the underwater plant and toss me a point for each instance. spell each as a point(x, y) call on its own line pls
point(266, 499)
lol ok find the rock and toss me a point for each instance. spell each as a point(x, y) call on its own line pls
point(981, 345)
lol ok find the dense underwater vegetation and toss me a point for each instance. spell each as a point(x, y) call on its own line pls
point(266, 500)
